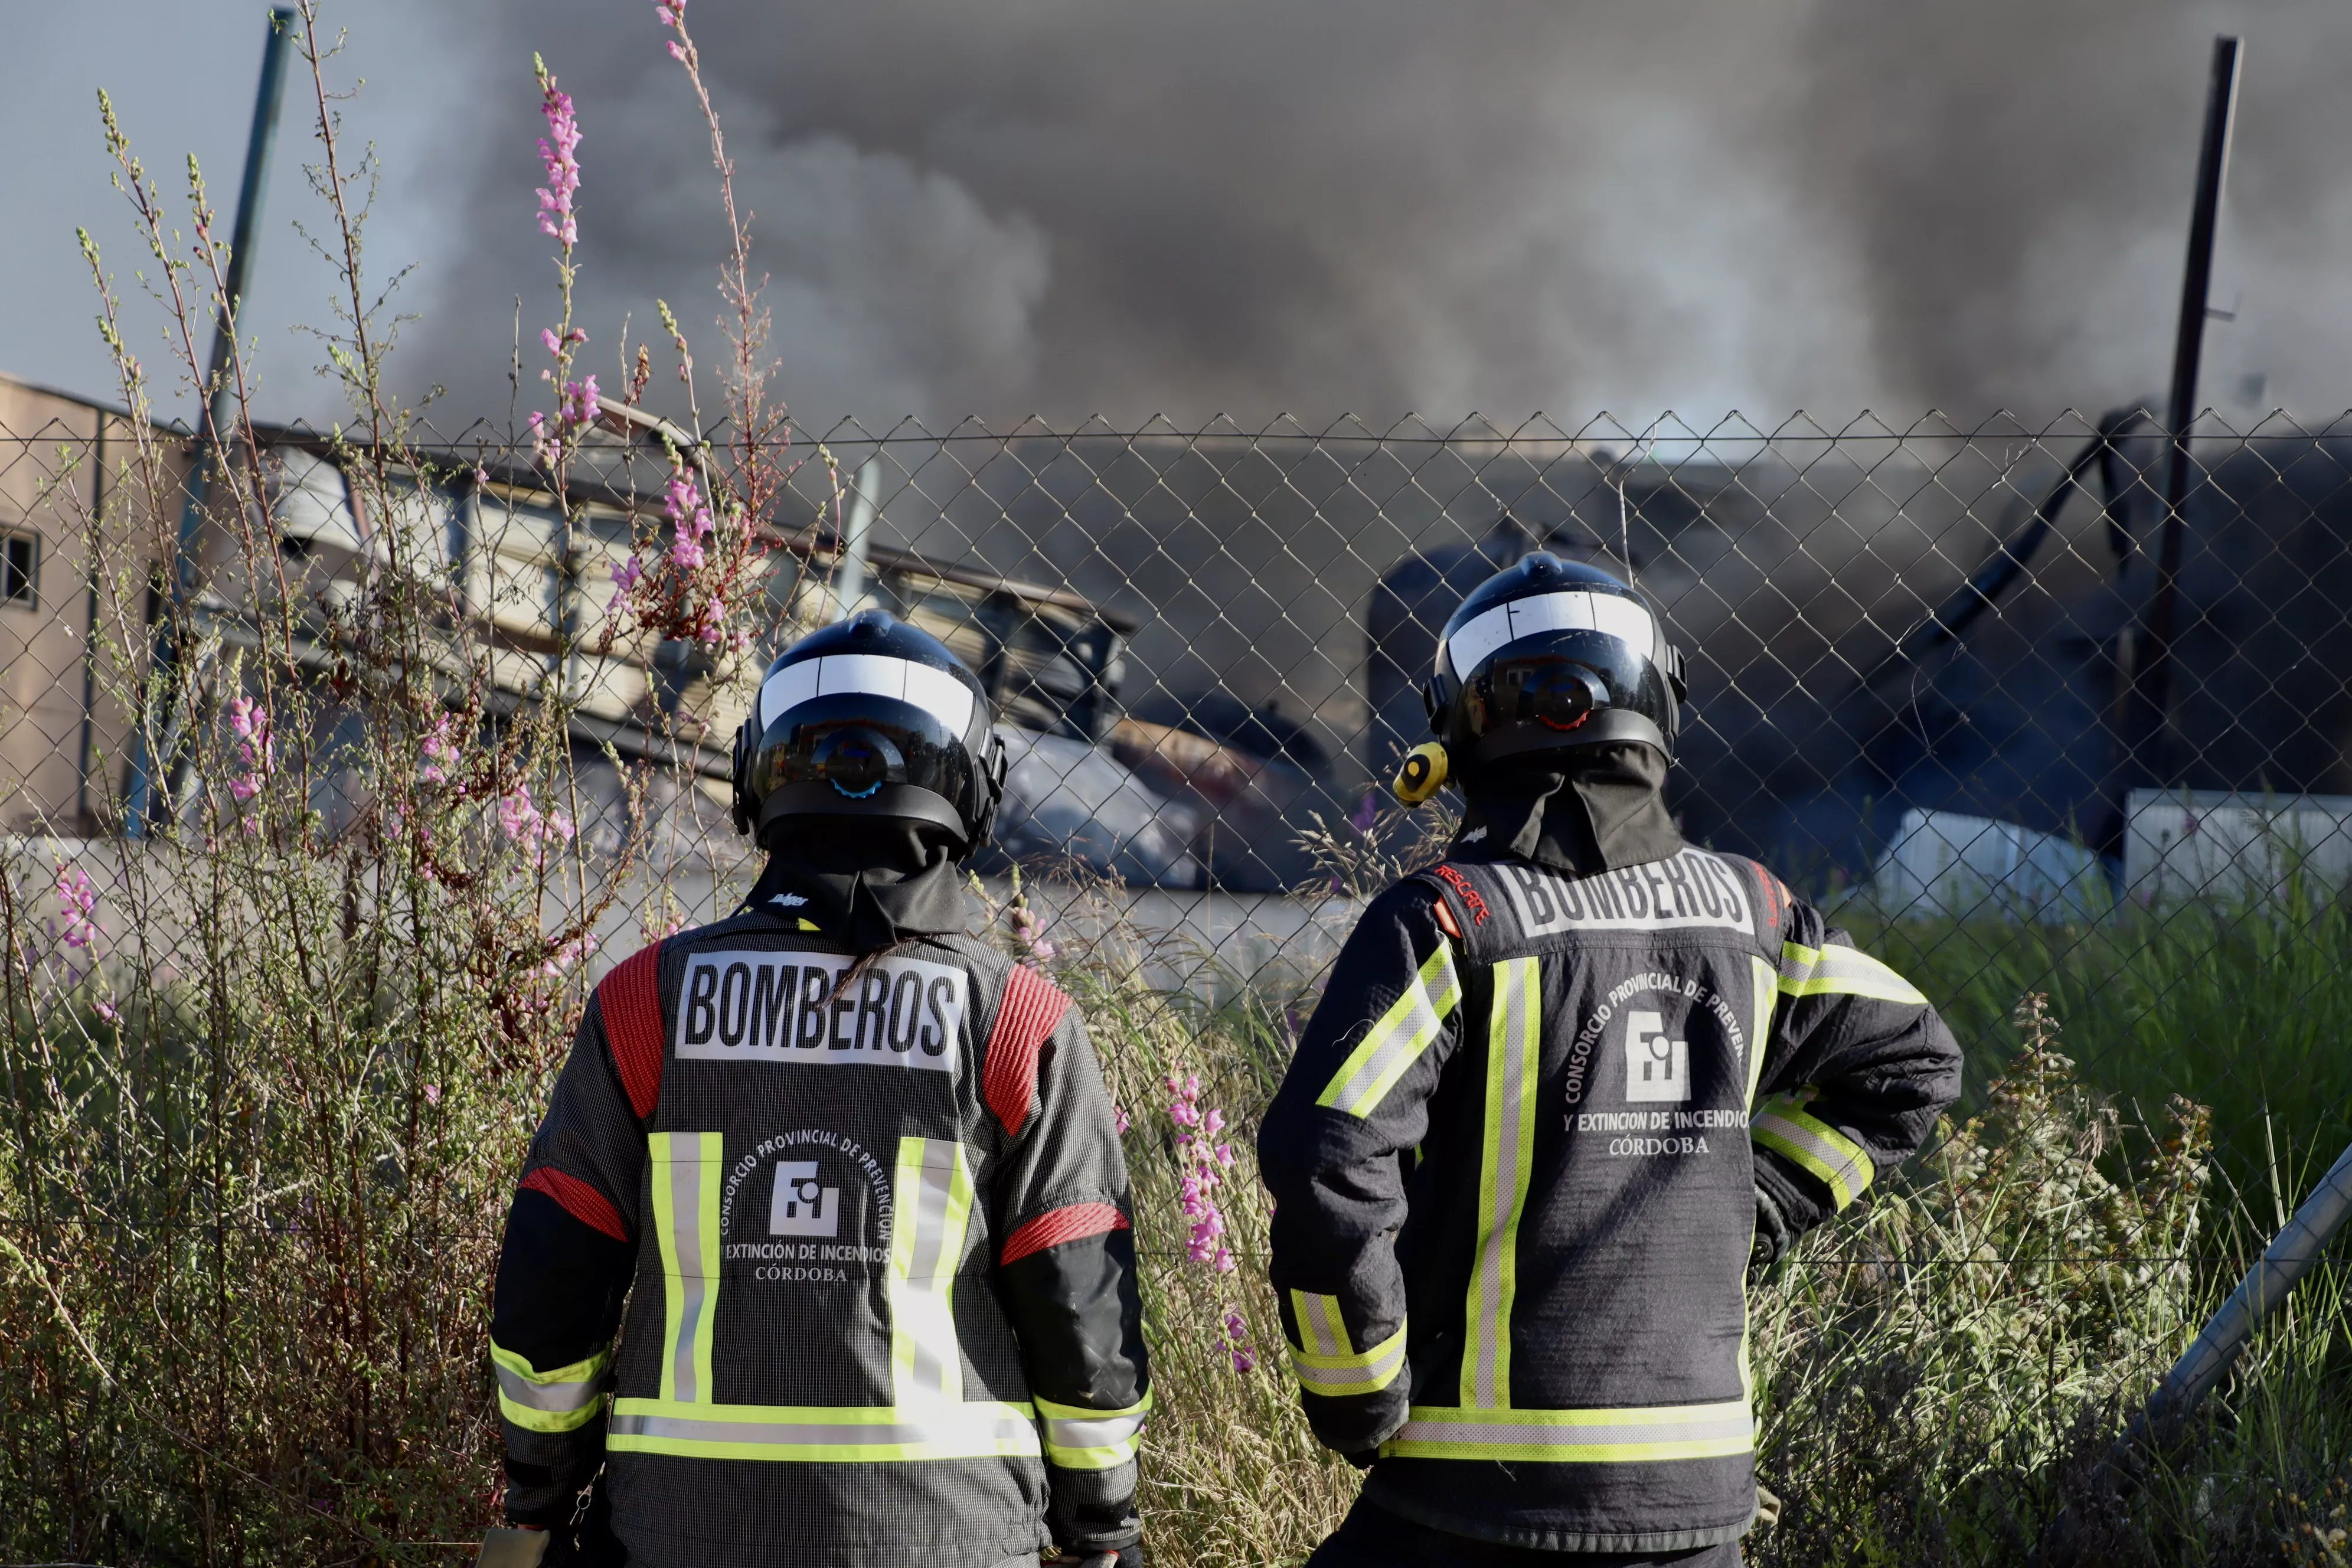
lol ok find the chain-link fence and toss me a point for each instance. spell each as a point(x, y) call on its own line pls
point(2027, 726)
point(1938, 676)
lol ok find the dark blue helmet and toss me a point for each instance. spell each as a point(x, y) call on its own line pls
point(870, 717)
point(1548, 654)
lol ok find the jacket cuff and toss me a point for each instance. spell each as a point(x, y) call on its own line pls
point(1803, 1201)
point(1093, 1510)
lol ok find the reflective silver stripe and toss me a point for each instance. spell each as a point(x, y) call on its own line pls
point(1600, 1437)
point(1337, 1377)
point(1397, 1039)
point(687, 1169)
point(1321, 1330)
point(830, 1435)
point(934, 1204)
point(1841, 1164)
point(1099, 1432)
point(1513, 1041)
point(559, 1397)
point(1832, 970)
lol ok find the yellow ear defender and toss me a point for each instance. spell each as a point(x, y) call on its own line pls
point(1421, 776)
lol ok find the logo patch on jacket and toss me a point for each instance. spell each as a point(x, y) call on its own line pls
point(1658, 1066)
point(752, 1005)
point(811, 1206)
point(1691, 890)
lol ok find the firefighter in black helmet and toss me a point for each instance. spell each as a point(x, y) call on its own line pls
point(1564, 1091)
point(844, 1183)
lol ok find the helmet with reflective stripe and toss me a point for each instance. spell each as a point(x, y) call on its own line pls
point(870, 717)
point(1551, 654)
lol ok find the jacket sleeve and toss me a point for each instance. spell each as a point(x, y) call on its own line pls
point(1065, 1261)
point(564, 1266)
point(1332, 1150)
point(1857, 1066)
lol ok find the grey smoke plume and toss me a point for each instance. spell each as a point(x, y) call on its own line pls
point(1249, 209)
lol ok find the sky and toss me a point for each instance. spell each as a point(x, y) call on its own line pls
point(1370, 208)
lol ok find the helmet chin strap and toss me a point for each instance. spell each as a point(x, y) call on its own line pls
point(1603, 725)
point(910, 801)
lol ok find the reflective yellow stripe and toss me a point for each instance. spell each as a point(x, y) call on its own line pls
point(1842, 1165)
point(564, 1400)
point(686, 1171)
point(1350, 1371)
point(1767, 994)
point(1397, 1041)
point(819, 1434)
point(933, 1207)
point(1514, 1039)
point(1078, 1439)
point(1834, 971)
point(1627, 1435)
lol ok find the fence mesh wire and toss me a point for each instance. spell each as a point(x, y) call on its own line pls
point(1941, 677)
point(2024, 725)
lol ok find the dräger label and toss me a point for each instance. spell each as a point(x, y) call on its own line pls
point(1693, 889)
point(780, 1007)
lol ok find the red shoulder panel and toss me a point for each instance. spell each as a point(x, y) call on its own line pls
point(578, 1199)
point(630, 999)
point(1032, 1007)
point(1055, 1226)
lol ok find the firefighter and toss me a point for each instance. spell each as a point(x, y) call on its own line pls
point(821, 1253)
point(1567, 1094)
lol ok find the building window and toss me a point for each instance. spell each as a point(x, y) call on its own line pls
point(20, 569)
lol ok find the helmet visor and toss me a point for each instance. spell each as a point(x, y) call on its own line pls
point(1554, 685)
point(855, 746)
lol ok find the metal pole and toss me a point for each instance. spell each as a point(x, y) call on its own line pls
point(2290, 1256)
point(850, 570)
point(2287, 1260)
point(243, 240)
point(2188, 342)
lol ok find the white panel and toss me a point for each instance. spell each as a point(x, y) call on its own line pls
point(1610, 613)
point(1627, 622)
point(1552, 613)
point(871, 672)
point(935, 691)
point(942, 695)
point(786, 689)
point(1482, 637)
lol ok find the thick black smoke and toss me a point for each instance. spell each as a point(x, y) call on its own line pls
point(1250, 209)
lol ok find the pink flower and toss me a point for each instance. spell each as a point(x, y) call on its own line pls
point(108, 1011)
point(570, 953)
point(576, 403)
point(256, 753)
point(685, 552)
point(432, 1094)
point(1120, 1119)
point(676, 51)
point(77, 899)
point(557, 219)
point(624, 581)
point(518, 819)
point(1029, 931)
point(1205, 1164)
point(439, 752)
point(1237, 1339)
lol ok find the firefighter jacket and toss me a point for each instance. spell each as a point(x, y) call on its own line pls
point(1516, 1173)
point(865, 1248)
